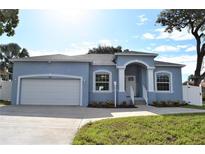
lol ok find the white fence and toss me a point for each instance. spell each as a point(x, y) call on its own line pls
point(5, 90)
point(192, 94)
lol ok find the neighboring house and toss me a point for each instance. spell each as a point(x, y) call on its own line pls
point(79, 80)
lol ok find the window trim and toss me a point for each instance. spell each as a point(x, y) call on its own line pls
point(94, 81)
point(170, 82)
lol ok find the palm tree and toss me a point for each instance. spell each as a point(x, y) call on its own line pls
point(7, 52)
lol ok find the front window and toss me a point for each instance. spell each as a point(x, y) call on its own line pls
point(102, 81)
point(163, 82)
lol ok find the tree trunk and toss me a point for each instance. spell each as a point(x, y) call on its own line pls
point(197, 73)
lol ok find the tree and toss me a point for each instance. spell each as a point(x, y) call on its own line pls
point(106, 50)
point(194, 22)
point(190, 77)
point(8, 21)
point(7, 52)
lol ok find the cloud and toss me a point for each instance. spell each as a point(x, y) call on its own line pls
point(165, 48)
point(148, 36)
point(142, 20)
point(175, 35)
point(75, 48)
point(192, 48)
point(182, 46)
point(168, 48)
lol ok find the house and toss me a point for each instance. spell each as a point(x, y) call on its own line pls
point(82, 79)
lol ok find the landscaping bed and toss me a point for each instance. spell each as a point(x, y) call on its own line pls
point(168, 103)
point(110, 104)
point(158, 130)
point(2, 102)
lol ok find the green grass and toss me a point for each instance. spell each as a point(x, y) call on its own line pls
point(167, 129)
point(194, 106)
point(2, 102)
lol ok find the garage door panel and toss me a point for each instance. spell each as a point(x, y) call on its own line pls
point(50, 92)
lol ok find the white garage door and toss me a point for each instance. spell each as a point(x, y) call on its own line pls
point(50, 92)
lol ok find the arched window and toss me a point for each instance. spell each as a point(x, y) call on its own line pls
point(163, 81)
point(102, 81)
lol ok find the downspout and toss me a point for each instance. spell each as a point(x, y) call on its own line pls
point(115, 93)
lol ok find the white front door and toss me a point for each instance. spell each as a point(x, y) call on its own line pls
point(130, 80)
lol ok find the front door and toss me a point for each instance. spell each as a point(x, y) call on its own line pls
point(130, 81)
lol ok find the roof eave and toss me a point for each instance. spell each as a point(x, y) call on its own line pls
point(24, 60)
point(171, 65)
point(136, 54)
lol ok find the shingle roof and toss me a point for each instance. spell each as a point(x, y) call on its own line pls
point(56, 57)
point(161, 63)
point(96, 59)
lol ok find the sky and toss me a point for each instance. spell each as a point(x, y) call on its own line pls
point(74, 32)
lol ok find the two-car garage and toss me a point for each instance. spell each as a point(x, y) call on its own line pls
point(49, 91)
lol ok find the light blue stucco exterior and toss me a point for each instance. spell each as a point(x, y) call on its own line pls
point(60, 68)
point(133, 65)
point(176, 93)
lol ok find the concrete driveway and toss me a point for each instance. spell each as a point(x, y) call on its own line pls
point(58, 124)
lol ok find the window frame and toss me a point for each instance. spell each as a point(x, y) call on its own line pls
point(170, 82)
point(94, 81)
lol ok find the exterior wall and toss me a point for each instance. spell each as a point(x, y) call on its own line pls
point(60, 68)
point(102, 96)
point(176, 93)
point(144, 62)
point(85, 71)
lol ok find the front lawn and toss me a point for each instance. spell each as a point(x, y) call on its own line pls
point(167, 129)
point(195, 106)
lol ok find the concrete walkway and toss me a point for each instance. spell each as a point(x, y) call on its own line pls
point(58, 124)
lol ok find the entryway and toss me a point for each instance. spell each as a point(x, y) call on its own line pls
point(130, 81)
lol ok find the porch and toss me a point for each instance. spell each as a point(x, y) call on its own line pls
point(136, 82)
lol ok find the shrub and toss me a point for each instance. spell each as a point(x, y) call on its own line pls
point(124, 103)
point(163, 103)
point(176, 103)
point(5, 102)
point(109, 104)
point(168, 103)
point(155, 102)
point(93, 104)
